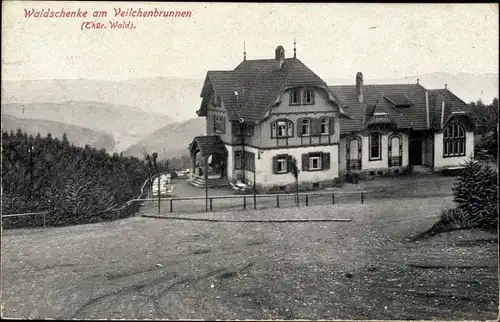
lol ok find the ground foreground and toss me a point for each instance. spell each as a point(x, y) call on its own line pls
point(142, 268)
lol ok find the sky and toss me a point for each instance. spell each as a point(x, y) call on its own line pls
point(335, 40)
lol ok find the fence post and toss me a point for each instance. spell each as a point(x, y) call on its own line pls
point(211, 204)
point(171, 205)
point(43, 219)
point(277, 201)
point(244, 202)
point(254, 201)
point(307, 200)
point(333, 198)
point(362, 197)
point(159, 200)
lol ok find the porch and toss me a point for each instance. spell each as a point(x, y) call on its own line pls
point(208, 162)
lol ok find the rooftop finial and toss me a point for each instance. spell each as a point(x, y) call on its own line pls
point(418, 80)
point(445, 86)
point(244, 51)
point(294, 48)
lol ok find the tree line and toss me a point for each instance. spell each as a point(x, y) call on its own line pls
point(73, 184)
point(485, 116)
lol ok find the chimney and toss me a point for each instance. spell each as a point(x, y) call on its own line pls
point(359, 87)
point(279, 55)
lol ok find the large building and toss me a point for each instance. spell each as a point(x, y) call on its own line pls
point(265, 112)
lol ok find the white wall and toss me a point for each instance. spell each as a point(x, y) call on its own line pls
point(264, 166)
point(375, 164)
point(442, 162)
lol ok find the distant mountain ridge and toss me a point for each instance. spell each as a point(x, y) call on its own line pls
point(125, 124)
point(77, 135)
point(177, 98)
point(172, 140)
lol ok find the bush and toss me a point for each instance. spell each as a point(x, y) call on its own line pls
point(476, 195)
point(352, 177)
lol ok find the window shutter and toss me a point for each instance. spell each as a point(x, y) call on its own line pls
point(288, 163)
point(305, 162)
point(325, 160)
point(331, 125)
point(299, 126)
point(275, 164)
point(273, 123)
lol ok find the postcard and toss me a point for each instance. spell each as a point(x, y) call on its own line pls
point(249, 161)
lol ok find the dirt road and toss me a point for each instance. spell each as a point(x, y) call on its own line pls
point(143, 268)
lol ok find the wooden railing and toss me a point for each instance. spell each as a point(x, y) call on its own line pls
point(132, 207)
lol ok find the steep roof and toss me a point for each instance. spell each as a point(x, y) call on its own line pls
point(404, 104)
point(258, 83)
point(208, 145)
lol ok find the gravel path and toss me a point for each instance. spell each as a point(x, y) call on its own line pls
point(144, 268)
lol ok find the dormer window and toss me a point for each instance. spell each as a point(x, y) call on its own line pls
point(309, 96)
point(295, 97)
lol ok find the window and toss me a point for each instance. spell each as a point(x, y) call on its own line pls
point(454, 140)
point(295, 97)
point(306, 127)
point(249, 129)
point(280, 163)
point(309, 96)
point(325, 126)
point(315, 161)
point(282, 168)
point(219, 124)
point(237, 160)
point(375, 146)
point(354, 153)
point(395, 150)
point(281, 129)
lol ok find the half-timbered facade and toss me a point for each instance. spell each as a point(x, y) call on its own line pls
point(265, 113)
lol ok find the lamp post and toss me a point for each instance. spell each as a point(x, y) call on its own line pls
point(30, 169)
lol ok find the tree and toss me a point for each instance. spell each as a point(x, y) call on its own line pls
point(295, 172)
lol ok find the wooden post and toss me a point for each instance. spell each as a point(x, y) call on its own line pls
point(171, 205)
point(43, 219)
point(206, 183)
point(244, 202)
point(159, 200)
point(307, 200)
point(277, 201)
point(362, 197)
point(333, 198)
point(211, 204)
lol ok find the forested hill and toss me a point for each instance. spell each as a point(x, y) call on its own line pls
point(75, 184)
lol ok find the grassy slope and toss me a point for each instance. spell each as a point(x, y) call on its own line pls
point(155, 268)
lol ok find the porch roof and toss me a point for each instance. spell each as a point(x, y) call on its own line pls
point(208, 145)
